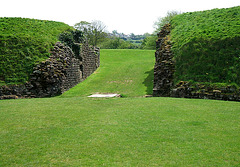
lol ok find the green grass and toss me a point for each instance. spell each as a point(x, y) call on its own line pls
point(23, 43)
point(119, 132)
point(127, 72)
point(206, 45)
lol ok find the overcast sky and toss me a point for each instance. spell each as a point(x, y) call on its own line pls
point(127, 16)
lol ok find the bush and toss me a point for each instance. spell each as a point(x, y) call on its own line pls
point(72, 39)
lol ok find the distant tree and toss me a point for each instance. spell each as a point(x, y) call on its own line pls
point(95, 31)
point(146, 35)
point(164, 20)
point(132, 36)
point(149, 42)
point(117, 43)
point(82, 26)
point(99, 32)
point(115, 33)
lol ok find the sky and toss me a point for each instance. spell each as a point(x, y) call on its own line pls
point(125, 16)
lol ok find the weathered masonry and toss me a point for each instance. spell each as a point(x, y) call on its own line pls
point(164, 65)
point(60, 72)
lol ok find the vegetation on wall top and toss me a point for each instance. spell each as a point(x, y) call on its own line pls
point(23, 43)
point(206, 45)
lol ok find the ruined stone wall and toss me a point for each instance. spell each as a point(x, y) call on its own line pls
point(62, 71)
point(164, 65)
point(186, 89)
point(57, 74)
point(90, 59)
point(164, 77)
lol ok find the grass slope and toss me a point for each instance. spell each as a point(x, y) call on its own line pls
point(24, 42)
point(119, 132)
point(206, 45)
point(127, 72)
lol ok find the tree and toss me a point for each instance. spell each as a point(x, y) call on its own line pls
point(115, 33)
point(164, 20)
point(82, 26)
point(132, 36)
point(149, 42)
point(117, 43)
point(98, 30)
point(95, 31)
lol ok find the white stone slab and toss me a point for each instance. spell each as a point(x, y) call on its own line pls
point(105, 95)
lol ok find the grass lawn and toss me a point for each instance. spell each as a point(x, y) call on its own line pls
point(123, 71)
point(119, 132)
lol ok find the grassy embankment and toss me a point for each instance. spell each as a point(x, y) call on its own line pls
point(206, 45)
point(23, 43)
point(81, 131)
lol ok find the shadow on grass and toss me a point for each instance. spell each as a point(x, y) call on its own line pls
point(148, 82)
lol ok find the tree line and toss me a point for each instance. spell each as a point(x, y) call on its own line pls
point(97, 35)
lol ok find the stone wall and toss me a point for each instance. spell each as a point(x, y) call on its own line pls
point(59, 73)
point(186, 89)
point(90, 59)
point(164, 65)
point(164, 77)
